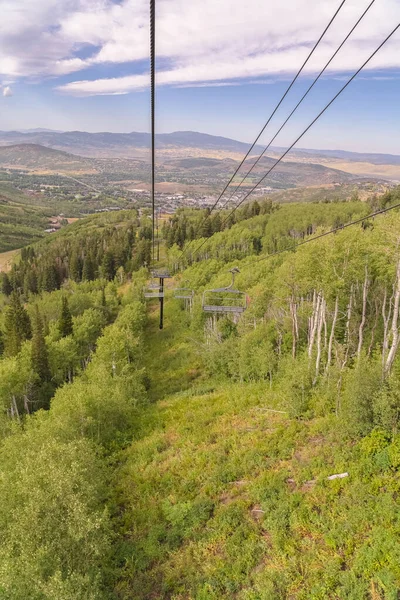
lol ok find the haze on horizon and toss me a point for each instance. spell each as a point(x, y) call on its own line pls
point(77, 65)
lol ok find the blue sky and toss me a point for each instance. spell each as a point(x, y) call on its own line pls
point(222, 66)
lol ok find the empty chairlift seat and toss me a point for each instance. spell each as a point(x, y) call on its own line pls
point(183, 293)
point(226, 300)
point(155, 289)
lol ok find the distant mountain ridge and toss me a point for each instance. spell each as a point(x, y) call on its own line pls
point(135, 143)
point(39, 159)
point(79, 140)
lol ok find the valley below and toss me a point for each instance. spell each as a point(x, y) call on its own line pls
point(78, 173)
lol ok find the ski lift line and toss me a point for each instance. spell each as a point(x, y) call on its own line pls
point(274, 111)
point(305, 130)
point(152, 109)
point(299, 103)
point(330, 232)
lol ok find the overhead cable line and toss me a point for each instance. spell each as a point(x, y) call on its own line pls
point(152, 110)
point(298, 104)
point(305, 131)
point(330, 232)
point(274, 111)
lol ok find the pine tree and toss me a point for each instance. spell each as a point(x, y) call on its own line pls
point(17, 326)
point(75, 266)
point(88, 271)
point(39, 356)
point(216, 223)
point(6, 287)
point(30, 282)
point(65, 321)
point(207, 229)
point(50, 279)
point(255, 208)
point(108, 266)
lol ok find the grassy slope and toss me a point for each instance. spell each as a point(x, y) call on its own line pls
point(20, 224)
point(221, 497)
point(7, 259)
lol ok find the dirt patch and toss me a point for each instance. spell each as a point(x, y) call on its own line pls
point(6, 260)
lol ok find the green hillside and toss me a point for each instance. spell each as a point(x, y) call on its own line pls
point(20, 224)
point(196, 462)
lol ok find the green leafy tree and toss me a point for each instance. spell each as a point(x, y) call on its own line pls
point(53, 527)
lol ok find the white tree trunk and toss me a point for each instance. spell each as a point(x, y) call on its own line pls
point(314, 323)
point(15, 407)
point(320, 322)
point(364, 313)
point(395, 328)
point(373, 331)
point(347, 329)
point(332, 335)
point(386, 320)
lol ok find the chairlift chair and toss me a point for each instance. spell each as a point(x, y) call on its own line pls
point(156, 289)
point(226, 300)
point(159, 274)
point(153, 290)
point(183, 293)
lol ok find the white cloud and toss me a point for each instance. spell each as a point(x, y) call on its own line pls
point(199, 42)
point(7, 91)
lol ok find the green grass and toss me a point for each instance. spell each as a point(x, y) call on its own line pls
point(20, 224)
point(222, 496)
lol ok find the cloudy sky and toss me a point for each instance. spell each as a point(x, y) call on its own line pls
point(222, 66)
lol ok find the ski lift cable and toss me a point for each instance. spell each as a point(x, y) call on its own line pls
point(299, 103)
point(330, 232)
point(152, 110)
point(304, 132)
point(240, 308)
point(273, 113)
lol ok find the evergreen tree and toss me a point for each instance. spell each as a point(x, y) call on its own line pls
point(17, 326)
point(30, 282)
point(88, 271)
point(75, 266)
point(15, 277)
point(108, 265)
point(207, 228)
point(49, 279)
point(255, 208)
point(216, 223)
point(6, 287)
point(39, 356)
point(65, 321)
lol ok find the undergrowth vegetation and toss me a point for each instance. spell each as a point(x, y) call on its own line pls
point(251, 456)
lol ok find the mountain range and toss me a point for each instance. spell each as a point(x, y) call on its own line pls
point(191, 171)
point(137, 143)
